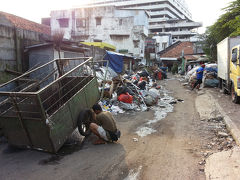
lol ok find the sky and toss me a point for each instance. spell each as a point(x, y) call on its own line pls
point(205, 11)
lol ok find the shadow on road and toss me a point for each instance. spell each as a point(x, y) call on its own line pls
point(83, 160)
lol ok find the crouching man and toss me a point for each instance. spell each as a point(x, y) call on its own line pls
point(104, 126)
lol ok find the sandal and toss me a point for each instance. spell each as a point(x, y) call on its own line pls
point(99, 141)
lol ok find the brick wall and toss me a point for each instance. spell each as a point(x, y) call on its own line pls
point(176, 51)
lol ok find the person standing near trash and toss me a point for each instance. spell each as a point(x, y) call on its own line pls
point(189, 67)
point(104, 126)
point(199, 72)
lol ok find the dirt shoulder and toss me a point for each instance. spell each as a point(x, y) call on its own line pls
point(222, 164)
point(231, 109)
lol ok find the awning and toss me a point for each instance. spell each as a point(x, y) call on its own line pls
point(101, 45)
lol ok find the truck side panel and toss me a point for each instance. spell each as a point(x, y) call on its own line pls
point(223, 59)
point(224, 55)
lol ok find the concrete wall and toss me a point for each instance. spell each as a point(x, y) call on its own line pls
point(39, 57)
point(7, 52)
point(12, 43)
point(42, 55)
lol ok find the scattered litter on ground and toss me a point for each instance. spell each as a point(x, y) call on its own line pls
point(144, 131)
point(116, 110)
point(222, 134)
point(135, 139)
point(134, 174)
point(160, 112)
point(219, 140)
point(202, 162)
point(180, 100)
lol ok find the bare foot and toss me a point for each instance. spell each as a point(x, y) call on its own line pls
point(99, 141)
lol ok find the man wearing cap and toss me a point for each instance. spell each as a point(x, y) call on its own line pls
point(199, 76)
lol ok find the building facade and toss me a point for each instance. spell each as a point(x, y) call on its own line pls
point(166, 17)
point(124, 29)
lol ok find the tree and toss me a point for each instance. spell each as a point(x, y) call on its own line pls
point(57, 40)
point(228, 25)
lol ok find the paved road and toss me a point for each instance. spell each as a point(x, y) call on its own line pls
point(152, 146)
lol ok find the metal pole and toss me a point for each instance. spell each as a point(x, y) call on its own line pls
point(104, 81)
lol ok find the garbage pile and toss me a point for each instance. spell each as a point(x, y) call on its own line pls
point(209, 76)
point(120, 93)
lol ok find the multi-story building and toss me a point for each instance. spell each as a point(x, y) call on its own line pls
point(124, 29)
point(166, 16)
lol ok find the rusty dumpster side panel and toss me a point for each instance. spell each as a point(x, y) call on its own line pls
point(40, 108)
point(64, 121)
point(23, 123)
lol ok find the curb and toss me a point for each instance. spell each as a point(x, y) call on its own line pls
point(235, 132)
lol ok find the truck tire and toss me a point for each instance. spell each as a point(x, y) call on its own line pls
point(1, 132)
point(222, 85)
point(224, 90)
point(235, 98)
point(84, 119)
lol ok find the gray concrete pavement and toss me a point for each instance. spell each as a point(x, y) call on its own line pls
point(224, 165)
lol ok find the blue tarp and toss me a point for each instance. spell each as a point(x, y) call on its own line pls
point(115, 61)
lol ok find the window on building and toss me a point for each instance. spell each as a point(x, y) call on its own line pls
point(136, 44)
point(98, 21)
point(120, 22)
point(63, 22)
point(80, 23)
point(97, 40)
point(164, 45)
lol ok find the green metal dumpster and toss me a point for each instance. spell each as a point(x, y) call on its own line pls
point(40, 108)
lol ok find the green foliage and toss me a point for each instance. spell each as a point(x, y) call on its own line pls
point(228, 25)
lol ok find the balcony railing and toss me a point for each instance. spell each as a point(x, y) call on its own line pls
point(176, 25)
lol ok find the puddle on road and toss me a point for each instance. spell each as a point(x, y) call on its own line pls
point(13, 149)
point(161, 111)
point(64, 151)
point(73, 144)
point(53, 160)
point(133, 175)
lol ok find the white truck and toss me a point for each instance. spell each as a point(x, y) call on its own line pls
point(228, 58)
